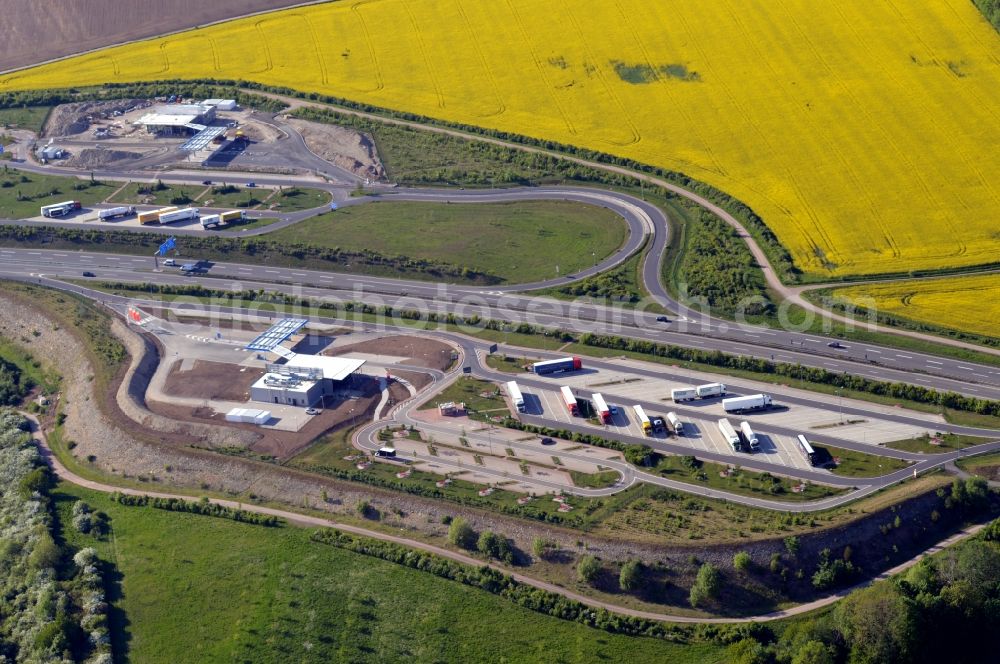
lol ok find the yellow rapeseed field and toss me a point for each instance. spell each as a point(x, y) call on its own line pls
point(865, 132)
point(968, 303)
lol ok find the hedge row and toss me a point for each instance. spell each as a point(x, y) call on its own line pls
point(203, 507)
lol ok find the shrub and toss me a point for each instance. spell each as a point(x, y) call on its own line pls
point(630, 576)
point(461, 534)
point(542, 548)
point(495, 546)
point(706, 585)
point(588, 568)
point(742, 561)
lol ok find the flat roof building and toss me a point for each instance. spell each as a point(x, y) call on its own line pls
point(183, 119)
point(303, 380)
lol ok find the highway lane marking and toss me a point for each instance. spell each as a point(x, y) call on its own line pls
point(815, 341)
point(979, 375)
point(909, 357)
point(271, 271)
point(872, 350)
point(300, 274)
point(964, 368)
point(933, 362)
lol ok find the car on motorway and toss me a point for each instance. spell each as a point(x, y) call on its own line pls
point(836, 344)
point(206, 182)
point(312, 411)
point(662, 319)
point(251, 184)
point(88, 273)
point(170, 262)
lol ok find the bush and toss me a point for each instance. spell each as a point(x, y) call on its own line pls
point(542, 548)
point(495, 546)
point(588, 568)
point(742, 561)
point(461, 534)
point(706, 585)
point(630, 576)
point(203, 507)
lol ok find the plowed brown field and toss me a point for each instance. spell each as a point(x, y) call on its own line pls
point(38, 30)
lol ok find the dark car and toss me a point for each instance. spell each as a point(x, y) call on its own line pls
point(836, 344)
point(89, 274)
point(251, 184)
point(662, 319)
point(548, 441)
point(206, 182)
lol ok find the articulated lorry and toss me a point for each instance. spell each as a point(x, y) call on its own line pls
point(730, 434)
point(675, 424)
point(569, 400)
point(514, 392)
point(556, 366)
point(153, 216)
point(60, 209)
point(172, 217)
point(116, 212)
point(747, 404)
point(601, 408)
point(640, 414)
point(683, 394)
point(750, 436)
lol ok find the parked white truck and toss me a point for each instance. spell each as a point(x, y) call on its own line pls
point(675, 424)
point(683, 394)
point(115, 212)
point(186, 214)
point(747, 404)
point(729, 432)
point(750, 436)
point(710, 390)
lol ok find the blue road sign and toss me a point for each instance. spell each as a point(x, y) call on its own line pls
point(171, 243)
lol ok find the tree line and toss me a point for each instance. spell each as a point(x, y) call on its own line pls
point(203, 507)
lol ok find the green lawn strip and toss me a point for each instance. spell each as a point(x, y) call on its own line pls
point(25, 117)
point(519, 242)
point(295, 199)
point(251, 224)
point(598, 480)
point(981, 462)
point(174, 567)
point(945, 442)
point(734, 479)
point(508, 363)
point(469, 391)
point(159, 193)
point(23, 194)
point(859, 464)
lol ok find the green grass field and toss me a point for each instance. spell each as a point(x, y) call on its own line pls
point(197, 589)
point(740, 481)
point(156, 196)
point(859, 464)
point(22, 194)
point(597, 480)
point(518, 242)
point(947, 442)
point(468, 390)
point(27, 117)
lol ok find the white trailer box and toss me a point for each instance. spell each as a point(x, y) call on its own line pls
point(675, 423)
point(711, 390)
point(683, 394)
point(115, 212)
point(180, 215)
point(747, 404)
point(750, 435)
point(210, 221)
point(514, 392)
point(730, 433)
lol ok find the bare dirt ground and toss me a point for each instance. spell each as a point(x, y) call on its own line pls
point(73, 27)
point(211, 380)
point(72, 119)
point(98, 158)
point(344, 147)
point(418, 351)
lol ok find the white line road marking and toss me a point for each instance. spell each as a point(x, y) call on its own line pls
point(872, 350)
point(933, 362)
point(964, 368)
point(815, 341)
point(979, 375)
point(909, 357)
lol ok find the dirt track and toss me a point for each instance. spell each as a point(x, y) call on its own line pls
point(74, 27)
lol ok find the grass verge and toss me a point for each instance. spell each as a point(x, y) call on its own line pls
point(938, 444)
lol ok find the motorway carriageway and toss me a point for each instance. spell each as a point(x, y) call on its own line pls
point(909, 367)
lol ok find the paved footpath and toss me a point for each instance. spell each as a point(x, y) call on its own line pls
point(312, 521)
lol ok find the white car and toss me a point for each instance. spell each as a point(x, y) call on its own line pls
point(170, 262)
